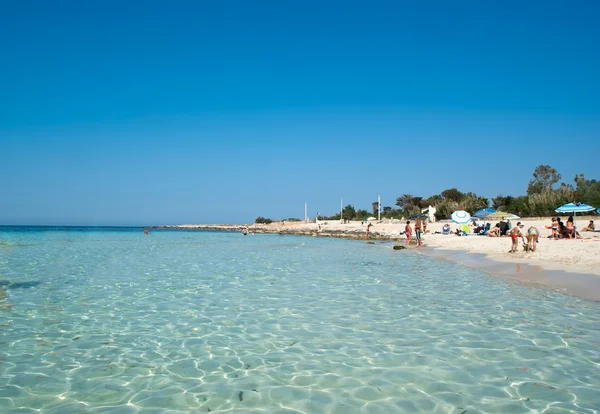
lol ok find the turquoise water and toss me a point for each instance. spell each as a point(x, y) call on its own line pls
point(110, 320)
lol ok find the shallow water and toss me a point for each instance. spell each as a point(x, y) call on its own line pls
point(110, 320)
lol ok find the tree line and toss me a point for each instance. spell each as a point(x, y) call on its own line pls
point(544, 195)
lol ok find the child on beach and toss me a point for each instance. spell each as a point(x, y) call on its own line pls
point(408, 232)
point(514, 236)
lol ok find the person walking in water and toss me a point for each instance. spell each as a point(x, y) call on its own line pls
point(408, 232)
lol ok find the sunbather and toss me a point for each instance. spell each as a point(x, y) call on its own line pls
point(590, 226)
point(494, 231)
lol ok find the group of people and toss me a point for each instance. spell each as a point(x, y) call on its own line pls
point(420, 228)
point(567, 230)
point(530, 238)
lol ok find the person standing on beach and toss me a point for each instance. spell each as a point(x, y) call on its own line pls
point(408, 232)
point(368, 228)
point(515, 233)
point(418, 227)
point(533, 236)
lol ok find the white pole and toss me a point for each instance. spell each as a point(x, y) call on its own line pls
point(341, 208)
point(305, 212)
point(378, 208)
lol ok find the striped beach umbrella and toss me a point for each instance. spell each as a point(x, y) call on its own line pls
point(501, 215)
point(574, 208)
point(460, 217)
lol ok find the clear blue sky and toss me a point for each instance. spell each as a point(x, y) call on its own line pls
point(185, 112)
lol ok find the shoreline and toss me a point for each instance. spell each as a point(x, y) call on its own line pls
point(569, 266)
point(582, 285)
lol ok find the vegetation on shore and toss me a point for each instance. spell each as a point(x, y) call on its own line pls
point(544, 195)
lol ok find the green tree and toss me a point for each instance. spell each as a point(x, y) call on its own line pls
point(544, 177)
point(587, 191)
point(348, 213)
point(452, 194)
point(361, 214)
point(405, 201)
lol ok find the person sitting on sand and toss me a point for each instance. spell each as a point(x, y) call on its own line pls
point(446, 229)
point(571, 227)
point(494, 231)
point(408, 232)
point(515, 233)
point(563, 232)
point(590, 226)
point(533, 235)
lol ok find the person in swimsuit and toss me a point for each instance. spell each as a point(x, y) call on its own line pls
point(408, 232)
point(533, 236)
point(554, 228)
point(571, 227)
point(418, 231)
point(368, 228)
point(514, 236)
point(494, 231)
point(590, 227)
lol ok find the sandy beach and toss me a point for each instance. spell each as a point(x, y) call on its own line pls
point(580, 256)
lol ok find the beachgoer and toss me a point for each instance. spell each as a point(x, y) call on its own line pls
point(425, 226)
point(408, 232)
point(494, 231)
point(554, 227)
point(368, 228)
point(245, 231)
point(145, 231)
point(563, 232)
point(533, 235)
point(571, 227)
point(418, 231)
point(590, 226)
point(515, 233)
point(446, 229)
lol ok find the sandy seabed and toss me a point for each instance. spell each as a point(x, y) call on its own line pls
point(570, 265)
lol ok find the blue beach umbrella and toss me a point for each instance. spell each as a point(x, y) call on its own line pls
point(574, 208)
point(483, 213)
point(460, 217)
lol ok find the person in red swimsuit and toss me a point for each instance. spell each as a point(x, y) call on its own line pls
point(515, 233)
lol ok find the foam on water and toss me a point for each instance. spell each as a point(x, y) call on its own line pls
point(115, 321)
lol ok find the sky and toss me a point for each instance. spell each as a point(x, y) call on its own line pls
point(156, 112)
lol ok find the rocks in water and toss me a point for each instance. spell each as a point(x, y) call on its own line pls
point(370, 242)
point(398, 247)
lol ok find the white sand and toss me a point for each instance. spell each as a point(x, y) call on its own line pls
point(580, 256)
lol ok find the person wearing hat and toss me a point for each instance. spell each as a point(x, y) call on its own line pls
point(515, 233)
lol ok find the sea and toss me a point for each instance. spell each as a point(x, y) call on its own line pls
point(109, 320)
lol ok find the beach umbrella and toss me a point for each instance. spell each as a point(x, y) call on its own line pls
point(483, 213)
point(574, 208)
point(419, 215)
point(460, 217)
point(501, 215)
